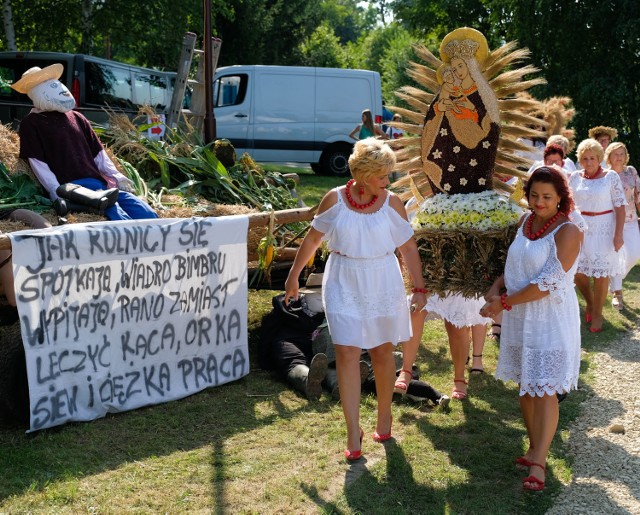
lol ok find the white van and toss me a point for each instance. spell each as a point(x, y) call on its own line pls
point(294, 114)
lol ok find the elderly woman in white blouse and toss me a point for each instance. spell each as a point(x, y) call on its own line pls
point(617, 158)
point(599, 196)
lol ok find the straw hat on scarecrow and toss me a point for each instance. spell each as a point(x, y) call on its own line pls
point(36, 75)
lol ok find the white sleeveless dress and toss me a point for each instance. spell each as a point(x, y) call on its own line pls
point(598, 258)
point(540, 340)
point(363, 292)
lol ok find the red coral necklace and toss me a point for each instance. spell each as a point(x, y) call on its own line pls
point(347, 191)
point(594, 176)
point(535, 236)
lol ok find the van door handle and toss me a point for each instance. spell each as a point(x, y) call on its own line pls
point(240, 115)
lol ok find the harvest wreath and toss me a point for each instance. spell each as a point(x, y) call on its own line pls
point(465, 147)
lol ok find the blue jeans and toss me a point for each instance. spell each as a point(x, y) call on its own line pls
point(128, 206)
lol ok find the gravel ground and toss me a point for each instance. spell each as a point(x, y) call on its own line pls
point(605, 439)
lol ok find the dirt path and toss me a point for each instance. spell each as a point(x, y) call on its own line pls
point(605, 439)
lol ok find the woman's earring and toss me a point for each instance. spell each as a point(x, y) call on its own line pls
point(558, 205)
point(361, 190)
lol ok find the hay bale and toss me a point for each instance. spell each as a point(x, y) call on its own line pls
point(463, 261)
point(9, 146)
point(14, 390)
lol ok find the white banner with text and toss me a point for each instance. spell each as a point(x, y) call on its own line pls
point(119, 315)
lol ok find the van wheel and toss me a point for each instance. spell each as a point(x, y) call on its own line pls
point(335, 159)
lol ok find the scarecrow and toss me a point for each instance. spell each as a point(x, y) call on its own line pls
point(65, 153)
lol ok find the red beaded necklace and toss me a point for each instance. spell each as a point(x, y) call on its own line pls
point(347, 191)
point(595, 175)
point(535, 236)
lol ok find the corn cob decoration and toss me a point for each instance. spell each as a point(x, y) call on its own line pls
point(267, 246)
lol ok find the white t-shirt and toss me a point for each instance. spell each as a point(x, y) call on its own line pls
point(394, 133)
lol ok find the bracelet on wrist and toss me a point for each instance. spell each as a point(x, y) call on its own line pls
point(503, 301)
point(419, 290)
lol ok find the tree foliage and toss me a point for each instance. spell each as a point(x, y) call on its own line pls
point(589, 51)
point(323, 49)
point(347, 19)
point(266, 31)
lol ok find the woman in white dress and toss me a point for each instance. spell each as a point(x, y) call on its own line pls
point(617, 158)
point(599, 196)
point(363, 291)
point(540, 341)
point(464, 326)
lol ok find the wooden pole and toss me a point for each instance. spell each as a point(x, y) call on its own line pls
point(209, 120)
point(286, 216)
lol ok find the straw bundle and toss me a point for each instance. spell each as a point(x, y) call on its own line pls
point(463, 261)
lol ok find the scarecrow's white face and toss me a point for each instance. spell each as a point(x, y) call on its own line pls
point(52, 95)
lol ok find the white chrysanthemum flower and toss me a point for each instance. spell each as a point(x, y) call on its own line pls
point(478, 211)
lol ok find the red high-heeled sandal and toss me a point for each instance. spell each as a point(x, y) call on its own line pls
point(383, 438)
point(522, 462)
point(402, 386)
point(355, 455)
point(534, 484)
point(459, 394)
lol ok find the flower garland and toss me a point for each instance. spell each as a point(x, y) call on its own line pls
point(482, 211)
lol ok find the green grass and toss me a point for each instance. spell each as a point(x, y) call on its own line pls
point(312, 186)
point(255, 446)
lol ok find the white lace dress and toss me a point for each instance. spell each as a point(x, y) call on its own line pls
point(598, 258)
point(540, 340)
point(457, 309)
point(363, 293)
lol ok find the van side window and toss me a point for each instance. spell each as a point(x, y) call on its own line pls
point(151, 90)
point(229, 90)
point(108, 85)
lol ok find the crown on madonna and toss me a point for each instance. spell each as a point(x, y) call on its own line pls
point(465, 49)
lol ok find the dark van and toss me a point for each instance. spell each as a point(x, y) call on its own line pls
point(95, 83)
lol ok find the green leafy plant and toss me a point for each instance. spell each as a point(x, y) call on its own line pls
point(182, 158)
point(20, 191)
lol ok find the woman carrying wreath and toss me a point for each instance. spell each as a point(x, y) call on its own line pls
point(540, 340)
point(363, 291)
point(458, 150)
